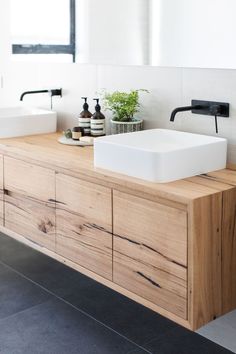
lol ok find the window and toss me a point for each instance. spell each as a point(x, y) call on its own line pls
point(43, 27)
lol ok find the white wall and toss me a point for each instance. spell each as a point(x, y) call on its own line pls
point(169, 88)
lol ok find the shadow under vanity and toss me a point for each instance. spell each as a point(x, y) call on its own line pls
point(170, 247)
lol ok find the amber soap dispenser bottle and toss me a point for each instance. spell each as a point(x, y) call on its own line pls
point(85, 118)
point(98, 121)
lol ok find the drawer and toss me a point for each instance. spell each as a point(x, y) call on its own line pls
point(32, 219)
point(150, 251)
point(29, 180)
point(30, 201)
point(84, 224)
point(1, 192)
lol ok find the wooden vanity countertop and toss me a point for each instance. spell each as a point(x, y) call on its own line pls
point(44, 150)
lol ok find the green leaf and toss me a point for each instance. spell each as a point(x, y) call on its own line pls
point(123, 105)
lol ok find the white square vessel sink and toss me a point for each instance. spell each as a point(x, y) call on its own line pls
point(22, 121)
point(160, 155)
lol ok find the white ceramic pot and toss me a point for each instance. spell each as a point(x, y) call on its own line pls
point(126, 127)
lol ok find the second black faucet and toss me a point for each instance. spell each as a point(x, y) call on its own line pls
point(210, 108)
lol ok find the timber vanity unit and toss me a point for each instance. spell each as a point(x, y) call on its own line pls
point(170, 247)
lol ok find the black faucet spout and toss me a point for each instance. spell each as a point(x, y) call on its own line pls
point(53, 92)
point(31, 92)
point(183, 109)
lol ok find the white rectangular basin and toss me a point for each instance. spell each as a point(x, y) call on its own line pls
point(22, 121)
point(160, 155)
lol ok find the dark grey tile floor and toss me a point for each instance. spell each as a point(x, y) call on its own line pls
point(46, 307)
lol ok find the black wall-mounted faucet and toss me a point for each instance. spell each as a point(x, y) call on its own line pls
point(182, 109)
point(52, 92)
point(216, 109)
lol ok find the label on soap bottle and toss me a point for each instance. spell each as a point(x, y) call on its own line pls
point(85, 123)
point(98, 127)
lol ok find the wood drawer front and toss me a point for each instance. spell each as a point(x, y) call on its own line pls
point(32, 219)
point(84, 224)
point(159, 227)
point(29, 180)
point(1, 192)
point(150, 251)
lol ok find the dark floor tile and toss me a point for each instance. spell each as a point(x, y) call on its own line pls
point(138, 351)
point(11, 249)
point(132, 320)
point(17, 293)
point(38, 267)
point(57, 328)
point(182, 341)
point(125, 316)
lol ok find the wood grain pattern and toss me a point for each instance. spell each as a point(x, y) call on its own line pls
point(97, 277)
point(29, 180)
point(150, 224)
point(34, 220)
point(211, 182)
point(1, 173)
point(84, 224)
point(1, 208)
point(30, 201)
point(204, 260)
point(1, 192)
point(225, 176)
point(229, 251)
point(44, 150)
point(151, 283)
point(231, 166)
point(150, 251)
point(162, 271)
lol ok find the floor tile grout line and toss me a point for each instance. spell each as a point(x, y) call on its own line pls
point(160, 337)
point(25, 310)
point(74, 307)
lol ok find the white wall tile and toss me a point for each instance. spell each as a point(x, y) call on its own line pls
point(76, 81)
point(18, 77)
point(214, 85)
point(164, 85)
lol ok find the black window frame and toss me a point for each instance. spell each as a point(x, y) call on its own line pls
point(52, 48)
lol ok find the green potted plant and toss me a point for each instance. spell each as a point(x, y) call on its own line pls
point(123, 106)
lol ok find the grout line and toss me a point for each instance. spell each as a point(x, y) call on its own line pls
point(25, 310)
point(74, 307)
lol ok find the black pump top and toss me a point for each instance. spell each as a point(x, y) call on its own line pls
point(97, 107)
point(98, 114)
point(85, 113)
point(85, 106)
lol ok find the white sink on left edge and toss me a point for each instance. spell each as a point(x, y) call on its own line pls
point(160, 155)
point(22, 121)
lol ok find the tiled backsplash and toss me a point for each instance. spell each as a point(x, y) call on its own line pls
point(169, 88)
